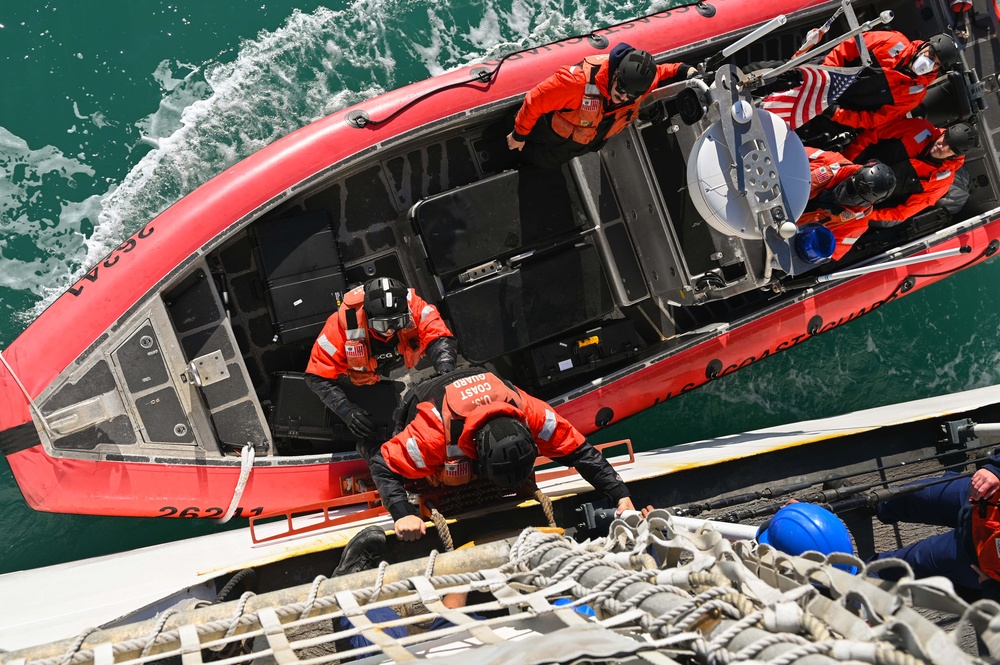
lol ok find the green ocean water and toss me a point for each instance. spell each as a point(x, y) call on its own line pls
point(113, 109)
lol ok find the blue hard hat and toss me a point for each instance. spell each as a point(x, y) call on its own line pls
point(799, 527)
point(814, 243)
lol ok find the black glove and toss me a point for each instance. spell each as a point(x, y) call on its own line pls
point(443, 352)
point(359, 422)
point(689, 73)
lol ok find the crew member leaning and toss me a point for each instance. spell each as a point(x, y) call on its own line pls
point(578, 108)
point(924, 159)
point(379, 326)
point(896, 81)
point(479, 425)
point(843, 195)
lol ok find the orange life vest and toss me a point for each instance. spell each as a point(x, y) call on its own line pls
point(444, 428)
point(581, 123)
point(464, 401)
point(361, 365)
point(847, 226)
point(986, 537)
point(462, 404)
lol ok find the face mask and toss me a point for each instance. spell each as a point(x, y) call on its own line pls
point(922, 65)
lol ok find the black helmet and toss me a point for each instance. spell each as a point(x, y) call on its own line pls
point(386, 307)
point(945, 49)
point(506, 451)
point(870, 184)
point(961, 138)
point(636, 72)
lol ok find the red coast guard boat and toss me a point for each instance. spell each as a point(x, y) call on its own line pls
point(599, 288)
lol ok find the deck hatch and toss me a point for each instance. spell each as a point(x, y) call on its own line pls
point(164, 418)
point(141, 361)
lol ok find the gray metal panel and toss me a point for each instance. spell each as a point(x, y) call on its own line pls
point(238, 424)
point(118, 431)
point(97, 381)
point(625, 278)
point(655, 242)
point(982, 53)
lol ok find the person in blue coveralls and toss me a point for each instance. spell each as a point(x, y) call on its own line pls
point(968, 554)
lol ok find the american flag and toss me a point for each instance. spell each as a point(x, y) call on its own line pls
point(821, 86)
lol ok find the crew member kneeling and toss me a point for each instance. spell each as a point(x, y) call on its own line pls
point(480, 425)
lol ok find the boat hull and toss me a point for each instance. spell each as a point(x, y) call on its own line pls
point(137, 271)
point(141, 489)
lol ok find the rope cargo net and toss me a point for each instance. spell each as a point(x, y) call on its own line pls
point(650, 592)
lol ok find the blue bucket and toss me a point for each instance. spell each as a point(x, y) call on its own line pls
point(814, 242)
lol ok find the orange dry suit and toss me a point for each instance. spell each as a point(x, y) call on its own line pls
point(344, 348)
point(887, 89)
point(439, 443)
point(920, 180)
point(986, 537)
point(576, 100)
point(827, 170)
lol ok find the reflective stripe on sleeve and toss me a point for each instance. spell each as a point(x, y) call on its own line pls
point(549, 428)
point(414, 450)
point(437, 414)
point(326, 345)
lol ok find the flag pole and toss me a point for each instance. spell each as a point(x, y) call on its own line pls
point(883, 19)
point(814, 36)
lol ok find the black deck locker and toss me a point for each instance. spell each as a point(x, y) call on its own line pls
point(301, 271)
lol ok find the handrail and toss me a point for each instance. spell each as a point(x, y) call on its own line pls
point(562, 473)
point(326, 521)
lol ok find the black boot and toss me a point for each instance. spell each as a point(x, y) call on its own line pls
point(362, 552)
